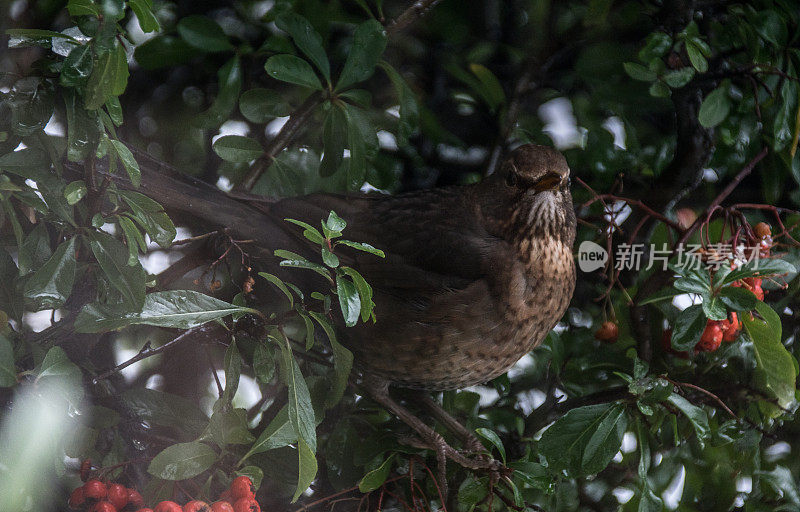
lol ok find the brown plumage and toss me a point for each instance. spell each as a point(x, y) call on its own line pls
point(474, 276)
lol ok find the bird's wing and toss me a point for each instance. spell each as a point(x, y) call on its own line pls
point(433, 241)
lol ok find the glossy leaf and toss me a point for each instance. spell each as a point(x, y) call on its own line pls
point(203, 34)
point(294, 70)
point(369, 41)
point(112, 257)
point(773, 360)
point(178, 309)
point(307, 39)
point(51, 285)
point(235, 148)
point(182, 461)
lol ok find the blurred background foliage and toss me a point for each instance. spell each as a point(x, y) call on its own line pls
point(661, 102)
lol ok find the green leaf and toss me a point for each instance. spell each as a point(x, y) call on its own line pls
point(294, 70)
point(77, 67)
point(112, 257)
point(129, 162)
point(178, 309)
point(182, 461)
point(151, 216)
point(262, 105)
point(109, 78)
point(82, 8)
point(264, 363)
point(664, 294)
point(364, 292)
point(203, 34)
point(57, 364)
point(51, 285)
point(279, 433)
point(334, 137)
point(235, 148)
point(329, 259)
point(301, 412)
point(491, 90)
point(278, 282)
point(677, 78)
point(688, 328)
point(362, 247)
point(696, 57)
point(773, 361)
point(656, 45)
point(31, 103)
point(229, 77)
point(307, 468)
point(233, 371)
point(307, 39)
point(144, 13)
point(639, 72)
point(163, 51)
point(375, 478)
point(369, 42)
point(737, 299)
point(310, 232)
point(228, 426)
point(349, 300)
point(697, 416)
point(770, 25)
point(715, 107)
point(133, 238)
point(714, 308)
point(8, 372)
point(785, 118)
point(659, 89)
point(493, 438)
point(34, 250)
point(342, 361)
point(164, 409)
point(75, 191)
point(409, 110)
point(83, 127)
point(335, 225)
point(584, 440)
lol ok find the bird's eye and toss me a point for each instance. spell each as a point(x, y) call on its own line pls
point(511, 179)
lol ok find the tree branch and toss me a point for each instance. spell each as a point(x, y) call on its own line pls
point(414, 12)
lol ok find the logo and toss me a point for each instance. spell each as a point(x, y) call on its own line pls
point(591, 256)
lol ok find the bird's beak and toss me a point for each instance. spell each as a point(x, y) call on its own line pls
point(550, 181)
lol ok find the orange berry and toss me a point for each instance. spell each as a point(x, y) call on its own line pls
point(711, 338)
point(95, 489)
point(242, 487)
point(246, 505)
point(221, 506)
point(118, 495)
point(762, 229)
point(77, 499)
point(135, 499)
point(196, 506)
point(168, 506)
point(607, 333)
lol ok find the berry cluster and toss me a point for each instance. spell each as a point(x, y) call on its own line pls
point(98, 496)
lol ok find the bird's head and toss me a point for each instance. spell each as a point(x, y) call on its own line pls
point(534, 182)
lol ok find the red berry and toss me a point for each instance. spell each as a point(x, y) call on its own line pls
point(135, 499)
point(196, 506)
point(168, 506)
point(607, 333)
point(86, 468)
point(103, 506)
point(94, 489)
point(77, 499)
point(221, 506)
point(145, 510)
point(246, 505)
point(118, 495)
point(711, 338)
point(242, 487)
point(758, 292)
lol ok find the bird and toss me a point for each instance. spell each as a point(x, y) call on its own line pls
point(474, 277)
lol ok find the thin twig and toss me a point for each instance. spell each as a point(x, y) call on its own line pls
point(148, 351)
point(747, 169)
point(704, 391)
point(412, 14)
